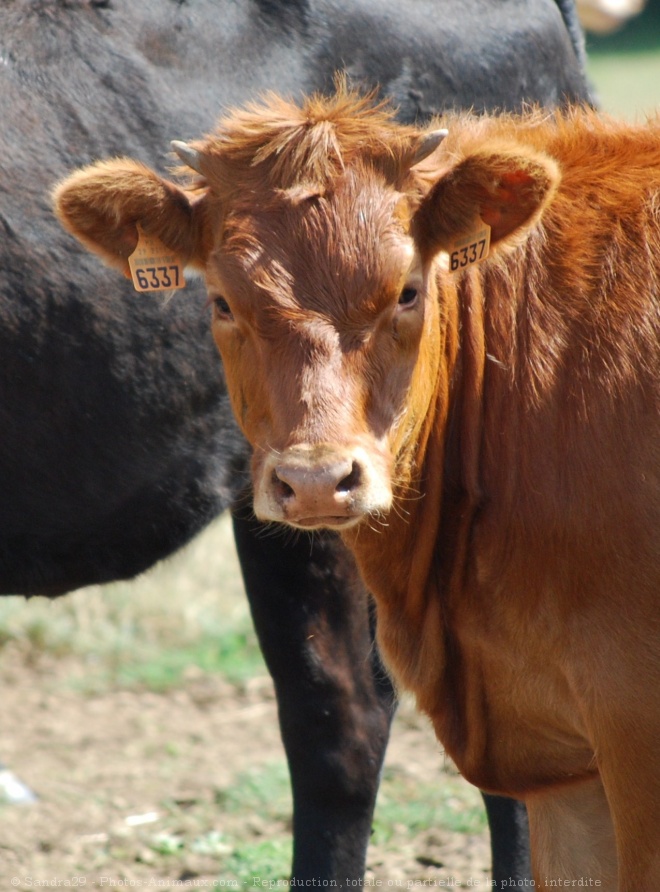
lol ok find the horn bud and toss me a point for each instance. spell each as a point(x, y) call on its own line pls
point(427, 144)
point(188, 155)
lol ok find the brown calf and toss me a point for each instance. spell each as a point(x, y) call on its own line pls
point(486, 438)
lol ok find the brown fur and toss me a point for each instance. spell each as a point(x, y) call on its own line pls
point(498, 440)
point(276, 145)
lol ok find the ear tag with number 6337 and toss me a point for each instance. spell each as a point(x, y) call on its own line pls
point(153, 266)
point(471, 248)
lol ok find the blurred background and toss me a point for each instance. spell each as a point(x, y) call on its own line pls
point(143, 719)
point(624, 64)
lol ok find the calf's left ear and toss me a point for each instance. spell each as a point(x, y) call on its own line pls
point(103, 204)
point(508, 189)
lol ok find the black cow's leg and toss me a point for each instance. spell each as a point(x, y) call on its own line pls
point(509, 840)
point(335, 703)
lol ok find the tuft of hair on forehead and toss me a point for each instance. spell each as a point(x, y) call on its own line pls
point(279, 145)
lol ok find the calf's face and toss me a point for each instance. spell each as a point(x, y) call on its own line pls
point(319, 309)
point(328, 303)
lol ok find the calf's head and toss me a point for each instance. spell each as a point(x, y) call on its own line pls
point(319, 231)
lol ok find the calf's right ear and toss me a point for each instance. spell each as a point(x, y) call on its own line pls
point(101, 205)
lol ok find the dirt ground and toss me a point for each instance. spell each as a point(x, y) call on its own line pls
point(114, 770)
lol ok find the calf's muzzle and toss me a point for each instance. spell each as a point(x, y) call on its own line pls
point(320, 485)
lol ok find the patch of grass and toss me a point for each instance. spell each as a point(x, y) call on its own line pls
point(406, 809)
point(253, 833)
point(235, 655)
point(264, 792)
point(167, 844)
point(266, 859)
point(212, 843)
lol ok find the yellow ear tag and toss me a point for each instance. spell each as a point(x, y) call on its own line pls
point(153, 266)
point(470, 249)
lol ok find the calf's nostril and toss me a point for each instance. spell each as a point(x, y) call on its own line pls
point(350, 481)
point(283, 489)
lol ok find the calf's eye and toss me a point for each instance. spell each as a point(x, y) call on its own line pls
point(408, 297)
point(222, 308)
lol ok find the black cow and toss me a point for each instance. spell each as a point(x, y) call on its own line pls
point(117, 444)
